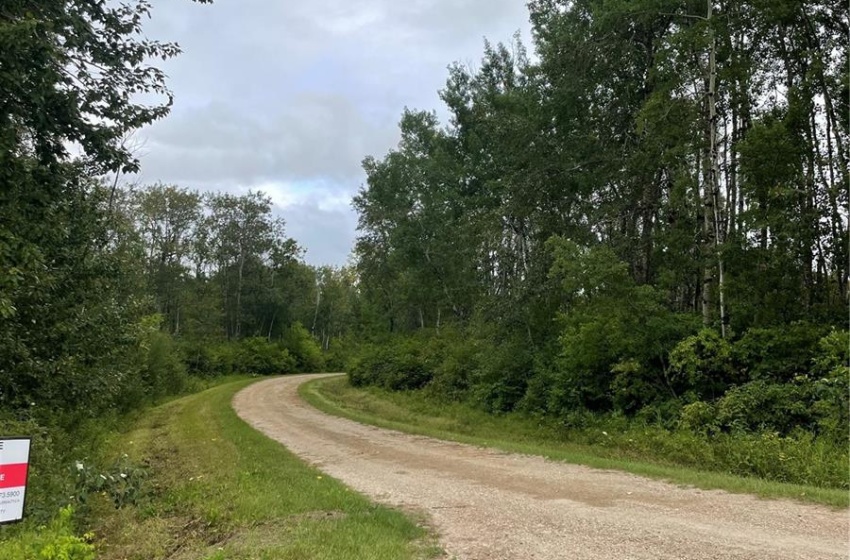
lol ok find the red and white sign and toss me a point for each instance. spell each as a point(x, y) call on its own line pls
point(14, 464)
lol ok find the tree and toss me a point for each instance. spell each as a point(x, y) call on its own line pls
point(694, 144)
point(167, 218)
point(241, 234)
point(72, 74)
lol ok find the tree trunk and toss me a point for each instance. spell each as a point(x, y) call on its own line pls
point(714, 174)
point(238, 313)
point(316, 310)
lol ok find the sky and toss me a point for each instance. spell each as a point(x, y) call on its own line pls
point(288, 97)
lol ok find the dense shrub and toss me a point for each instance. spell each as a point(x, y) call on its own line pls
point(259, 356)
point(635, 387)
point(224, 358)
point(702, 365)
point(501, 378)
point(778, 354)
point(699, 417)
point(55, 541)
point(816, 399)
point(398, 365)
point(460, 357)
point(304, 348)
point(832, 357)
point(830, 382)
point(761, 405)
point(123, 482)
point(339, 353)
point(198, 358)
point(163, 369)
point(680, 395)
point(611, 327)
point(249, 355)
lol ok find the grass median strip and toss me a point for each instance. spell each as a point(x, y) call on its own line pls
point(220, 489)
point(412, 413)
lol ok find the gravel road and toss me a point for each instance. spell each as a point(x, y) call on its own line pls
point(490, 505)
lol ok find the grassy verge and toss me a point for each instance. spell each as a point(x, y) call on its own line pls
point(217, 489)
point(413, 413)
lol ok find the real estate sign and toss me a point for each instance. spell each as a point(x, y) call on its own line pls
point(14, 465)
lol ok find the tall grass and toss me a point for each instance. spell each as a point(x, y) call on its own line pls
point(762, 464)
point(212, 487)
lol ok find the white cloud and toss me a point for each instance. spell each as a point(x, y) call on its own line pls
point(289, 97)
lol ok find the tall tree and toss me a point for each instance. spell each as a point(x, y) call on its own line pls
point(167, 218)
point(72, 75)
point(242, 234)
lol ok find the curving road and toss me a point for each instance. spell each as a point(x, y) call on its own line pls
point(490, 505)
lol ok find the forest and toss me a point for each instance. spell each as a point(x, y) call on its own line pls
point(116, 296)
point(640, 223)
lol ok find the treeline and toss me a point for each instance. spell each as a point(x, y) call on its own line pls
point(157, 283)
point(647, 220)
point(231, 288)
point(111, 297)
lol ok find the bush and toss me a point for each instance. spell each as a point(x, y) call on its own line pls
point(760, 405)
point(634, 388)
point(163, 371)
point(455, 355)
point(831, 378)
point(501, 379)
point(832, 357)
point(702, 364)
point(778, 354)
point(398, 365)
point(198, 358)
point(56, 541)
point(339, 354)
point(123, 483)
point(158, 367)
point(249, 355)
point(699, 417)
point(304, 348)
point(609, 321)
point(258, 355)
point(224, 358)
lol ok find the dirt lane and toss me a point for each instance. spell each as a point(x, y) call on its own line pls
point(490, 505)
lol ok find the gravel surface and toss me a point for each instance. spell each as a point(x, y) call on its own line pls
point(487, 504)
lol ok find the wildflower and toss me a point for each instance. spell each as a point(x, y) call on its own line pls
point(79, 466)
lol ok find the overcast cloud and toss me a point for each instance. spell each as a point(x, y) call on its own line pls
point(289, 97)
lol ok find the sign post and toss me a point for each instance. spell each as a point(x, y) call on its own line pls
point(14, 466)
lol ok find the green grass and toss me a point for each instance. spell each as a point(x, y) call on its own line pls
point(220, 489)
point(414, 413)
